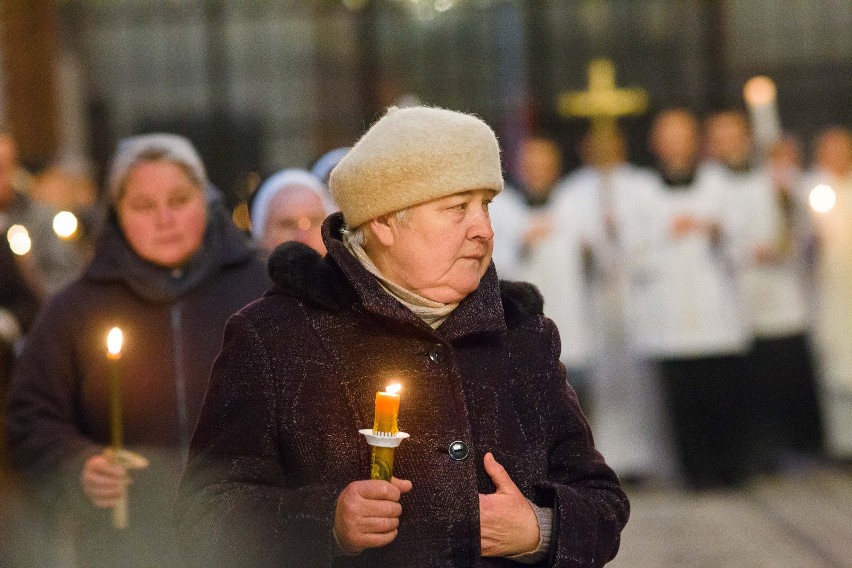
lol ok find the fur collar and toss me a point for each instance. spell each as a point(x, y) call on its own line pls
point(300, 272)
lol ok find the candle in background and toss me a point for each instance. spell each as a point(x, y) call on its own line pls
point(65, 225)
point(19, 240)
point(760, 95)
point(114, 343)
point(822, 198)
point(387, 410)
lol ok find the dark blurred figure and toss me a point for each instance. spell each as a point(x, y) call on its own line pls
point(57, 262)
point(169, 269)
point(18, 307)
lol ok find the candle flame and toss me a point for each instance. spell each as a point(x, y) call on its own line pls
point(759, 91)
point(65, 224)
point(114, 341)
point(393, 389)
point(822, 198)
point(19, 239)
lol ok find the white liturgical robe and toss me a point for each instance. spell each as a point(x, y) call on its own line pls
point(607, 214)
point(689, 291)
point(834, 312)
point(774, 288)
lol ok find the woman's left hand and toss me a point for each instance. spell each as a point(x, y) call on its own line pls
point(507, 523)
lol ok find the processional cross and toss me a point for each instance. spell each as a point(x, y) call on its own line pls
point(603, 103)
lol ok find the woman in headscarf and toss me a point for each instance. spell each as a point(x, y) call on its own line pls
point(169, 269)
point(290, 206)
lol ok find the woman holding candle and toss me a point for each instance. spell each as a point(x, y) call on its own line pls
point(169, 269)
point(499, 466)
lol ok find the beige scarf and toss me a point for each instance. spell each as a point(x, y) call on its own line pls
point(431, 312)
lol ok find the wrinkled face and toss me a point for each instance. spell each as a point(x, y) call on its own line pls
point(162, 213)
point(442, 250)
point(295, 214)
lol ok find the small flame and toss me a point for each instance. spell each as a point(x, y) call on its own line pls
point(393, 389)
point(65, 224)
point(759, 91)
point(822, 198)
point(114, 341)
point(19, 240)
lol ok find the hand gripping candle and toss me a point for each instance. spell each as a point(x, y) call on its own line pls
point(385, 435)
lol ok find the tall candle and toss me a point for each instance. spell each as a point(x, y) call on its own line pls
point(387, 410)
point(760, 96)
point(114, 344)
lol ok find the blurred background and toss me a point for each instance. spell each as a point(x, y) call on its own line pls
point(263, 85)
point(259, 86)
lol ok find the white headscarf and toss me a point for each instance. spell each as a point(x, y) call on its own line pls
point(274, 185)
point(173, 147)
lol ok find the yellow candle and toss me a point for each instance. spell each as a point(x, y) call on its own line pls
point(114, 342)
point(387, 410)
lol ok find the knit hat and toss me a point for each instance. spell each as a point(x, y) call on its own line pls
point(170, 146)
point(275, 184)
point(413, 155)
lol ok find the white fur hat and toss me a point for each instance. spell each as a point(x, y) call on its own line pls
point(413, 155)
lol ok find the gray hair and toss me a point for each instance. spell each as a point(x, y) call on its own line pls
point(358, 236)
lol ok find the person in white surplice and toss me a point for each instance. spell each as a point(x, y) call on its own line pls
point(834, 282)
point(761, 219)
point(531, 245)
point(601, 214)
point(691, 310)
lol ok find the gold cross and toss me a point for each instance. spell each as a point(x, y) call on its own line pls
point(603, 103)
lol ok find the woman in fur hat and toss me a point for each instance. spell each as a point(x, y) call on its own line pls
point(500, 467)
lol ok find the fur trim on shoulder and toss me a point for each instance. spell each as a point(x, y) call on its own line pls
point(300, 271)
point(521, 301)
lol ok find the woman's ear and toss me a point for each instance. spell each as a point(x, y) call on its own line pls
point(383, 228)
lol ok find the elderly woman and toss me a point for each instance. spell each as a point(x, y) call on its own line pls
point(500, 467)
point(169, 269)
point(290, 206)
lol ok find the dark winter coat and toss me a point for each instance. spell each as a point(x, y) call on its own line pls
point(59, 400)
point(278, 438)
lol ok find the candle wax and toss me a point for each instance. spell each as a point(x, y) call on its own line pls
point(387, 411)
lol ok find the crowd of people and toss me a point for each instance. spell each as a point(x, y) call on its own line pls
point(704, 308)
point(702, 302)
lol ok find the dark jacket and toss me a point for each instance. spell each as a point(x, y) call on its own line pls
point(58, 412)
point(278, 438)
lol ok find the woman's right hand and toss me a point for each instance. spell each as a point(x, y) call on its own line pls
point(104, 482)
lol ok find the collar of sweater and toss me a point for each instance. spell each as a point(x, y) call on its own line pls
point(432, 312)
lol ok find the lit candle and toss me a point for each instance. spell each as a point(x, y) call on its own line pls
point(387, 410)
point(65, 224)
point(114, 342)
point(19, 240)
point(760, 96)
point(822, 198)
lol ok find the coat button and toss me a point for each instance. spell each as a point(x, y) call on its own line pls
point(458, 450)
point(436, 354)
